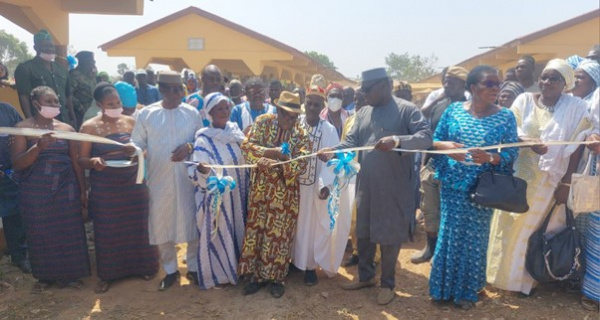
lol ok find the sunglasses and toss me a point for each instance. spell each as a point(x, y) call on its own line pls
point(490, 84)
point(551, 79)
point(173, 89)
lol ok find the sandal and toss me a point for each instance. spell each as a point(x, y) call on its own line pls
point(75, 285)
point(102, 286)
point(40, 287)
point(589, 304)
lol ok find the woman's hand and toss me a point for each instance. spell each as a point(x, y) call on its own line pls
point(450, 145)
point(264, 163)
point(98, 163)
point(275, 154)
point(180, 153)
point(594, 147)
point(480, 156)
point(45, 140)
point(128, 149)
point(561, 193)
point(201, 167)
point(324, 193)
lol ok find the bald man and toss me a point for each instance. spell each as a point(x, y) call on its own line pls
point(212, 81)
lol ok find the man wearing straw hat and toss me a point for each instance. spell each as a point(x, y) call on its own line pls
point(385, 198)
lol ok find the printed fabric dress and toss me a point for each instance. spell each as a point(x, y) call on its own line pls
point(459, 262)
point(119, 208)
point(218, 255)
point(50, 199)
point(273, 202)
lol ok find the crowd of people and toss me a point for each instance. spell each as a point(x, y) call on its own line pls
point(225, 173)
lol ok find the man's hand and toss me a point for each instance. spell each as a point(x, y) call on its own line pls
point(179, 154)
point(385, 144)
point(324, 193)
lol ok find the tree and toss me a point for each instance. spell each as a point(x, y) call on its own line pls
point(322, 58)
point(410, 68)
point(121, 68)
point(12, 51)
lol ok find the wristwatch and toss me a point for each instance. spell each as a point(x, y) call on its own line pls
point(396, 141)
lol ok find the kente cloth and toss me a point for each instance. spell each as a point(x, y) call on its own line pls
point(159, 132)
point(218, 256)
point(273, 202)
point(50, 199)
point(458, 268)
point(119, 209)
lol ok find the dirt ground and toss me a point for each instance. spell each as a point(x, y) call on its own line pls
point(138, 299)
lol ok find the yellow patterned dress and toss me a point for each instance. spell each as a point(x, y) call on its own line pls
point(273, 202)
point(509, 233)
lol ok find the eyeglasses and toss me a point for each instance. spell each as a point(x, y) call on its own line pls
point(490, 84)
point(551, 79)
point(173, 89)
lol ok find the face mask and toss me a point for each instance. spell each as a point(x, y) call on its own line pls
point(113, 113)
point(334, 104)
point(49, 112)
point(48, 56)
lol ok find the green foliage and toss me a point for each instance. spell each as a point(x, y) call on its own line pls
point(12, 51)
point(322, 58)
point(410, 68)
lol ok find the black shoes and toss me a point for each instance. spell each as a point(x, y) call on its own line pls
point(168, 281)
point(310, 278)
point(352, 261)
point(253, 287)
point(192, 276)
point(277, 290)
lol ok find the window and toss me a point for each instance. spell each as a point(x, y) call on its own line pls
point(195, 44)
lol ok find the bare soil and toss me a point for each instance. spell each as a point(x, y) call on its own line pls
point(138, 299)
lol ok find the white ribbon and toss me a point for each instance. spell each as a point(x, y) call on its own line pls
point(75, 136)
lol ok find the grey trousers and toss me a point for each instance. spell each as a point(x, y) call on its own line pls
point(389, 257)
point(430, 199)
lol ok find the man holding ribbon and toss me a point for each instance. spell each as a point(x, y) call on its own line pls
point(165, 130)
point(316, 244)
point(274, 194)
point(386, 181)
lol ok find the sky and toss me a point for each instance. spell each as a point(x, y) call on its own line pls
point(356, 35)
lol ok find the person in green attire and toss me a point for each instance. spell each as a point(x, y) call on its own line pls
point(83, 82)
point(42, 70)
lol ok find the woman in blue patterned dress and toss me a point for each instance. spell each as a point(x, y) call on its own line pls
point(459, 262)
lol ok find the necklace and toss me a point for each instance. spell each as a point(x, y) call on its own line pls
point(545, 107)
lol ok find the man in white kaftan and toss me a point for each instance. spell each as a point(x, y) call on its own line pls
point(316, 245)
point(165, 131)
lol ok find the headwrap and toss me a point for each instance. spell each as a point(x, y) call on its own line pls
point(317, 86)
point(211, 101)
point(564, 69)
point(574, 61)
point(457, 72)
point(513, 87)
point(334, 85)
point(42, 35)
point(402, 85)
point(592, 68)
point(127, 94)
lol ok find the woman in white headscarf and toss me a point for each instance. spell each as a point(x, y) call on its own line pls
point(545, 116)
point(220, 231)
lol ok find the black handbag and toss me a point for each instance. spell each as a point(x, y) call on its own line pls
point(555, 256)
point(501, 191)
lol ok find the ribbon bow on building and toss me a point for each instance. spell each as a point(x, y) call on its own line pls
point(344, 169)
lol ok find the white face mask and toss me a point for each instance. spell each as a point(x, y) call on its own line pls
point(113, 113)
point(334, 104)
point(49, 112)
point(48, 56)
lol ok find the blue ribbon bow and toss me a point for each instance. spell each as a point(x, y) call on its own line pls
point(217, 186)
point(285, 149)
point(344, 169)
